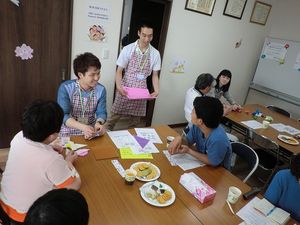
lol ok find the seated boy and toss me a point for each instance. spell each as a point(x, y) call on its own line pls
point(212, 145)
point(59, 207)
point(34, 167)
point(284, 190)
point(83, 100)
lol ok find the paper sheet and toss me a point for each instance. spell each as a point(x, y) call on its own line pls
point(123, 139)
point(137, 93)
point(285, 128)
point(252, 216)
point(184, 161)
point(127, 153)
point(148, 133)
point(252, 124)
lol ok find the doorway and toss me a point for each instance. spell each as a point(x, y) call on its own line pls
point(156, 11)
point(45, 26)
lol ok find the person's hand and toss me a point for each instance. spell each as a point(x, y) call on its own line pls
point(122, 91)
point(100, 128)
point(175, 145)
point(56, 145)
point(71, 156)
point(88, 131)
point(227, 109)
point(183, 149)
point(154, 94)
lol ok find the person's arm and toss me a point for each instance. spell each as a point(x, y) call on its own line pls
point(64, 101)
point(230, 99)
point(101, 112)
point(87, 130)
point(155, 84)
point(274, 190)
point(118, 81)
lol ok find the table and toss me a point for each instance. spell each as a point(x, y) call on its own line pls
point(113, 202)
point(235, 119)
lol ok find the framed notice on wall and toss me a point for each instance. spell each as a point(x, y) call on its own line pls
point(260, 12)
point(201, 6)
point(235, 8)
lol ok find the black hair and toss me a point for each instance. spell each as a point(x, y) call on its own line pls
point(203, 81)
point(82, 63)
point(145, 23)
point(59, 207)
point(40, 119)
point(209, 109)
point(226, 73)
point(295, 166)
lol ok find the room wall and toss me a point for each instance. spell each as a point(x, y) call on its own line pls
point(80, 43)
point(207, 43)
point(285, 25)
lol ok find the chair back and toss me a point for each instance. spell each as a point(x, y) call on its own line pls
point(264, 142)
point(279, 110)
point(248, 155)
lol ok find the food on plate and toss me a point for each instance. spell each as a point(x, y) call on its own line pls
point(289, 139)
point(158, 192)
point(145, 170)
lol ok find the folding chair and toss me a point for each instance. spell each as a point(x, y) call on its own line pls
point(279, 110)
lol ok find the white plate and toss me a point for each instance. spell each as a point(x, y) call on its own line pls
point(145, 179)
point(147, 186)
point(286, 139)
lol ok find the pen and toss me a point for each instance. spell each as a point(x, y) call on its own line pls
point(230, 207)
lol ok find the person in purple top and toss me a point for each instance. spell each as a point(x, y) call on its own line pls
point(284, 190)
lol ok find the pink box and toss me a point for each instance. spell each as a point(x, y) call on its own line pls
point(197, 187)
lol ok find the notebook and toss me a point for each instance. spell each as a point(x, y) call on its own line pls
point(276, 214)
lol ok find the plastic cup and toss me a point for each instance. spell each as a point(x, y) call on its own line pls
point(169, 140)
point(265, 124)
point(233, 194)
point(130, 175)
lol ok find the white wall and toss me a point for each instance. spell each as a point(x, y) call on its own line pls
point(208, 44)
point(285, 25)
point(80, 43)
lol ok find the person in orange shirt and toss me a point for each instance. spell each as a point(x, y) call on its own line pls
point(34, 164)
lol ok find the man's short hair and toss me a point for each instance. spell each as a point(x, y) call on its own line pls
point(59, 207)
point(295, 166)
point(41, 119)
point(203, 81)
point(82, 63)
point(145, 23)
point(209, 109)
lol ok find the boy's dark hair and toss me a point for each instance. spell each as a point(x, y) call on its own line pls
point(209, 109)
point(41, 119)
point(295, 166)
point(145, 23)
point(203, 81)
point(226, 73)
point(82, 63)
point(59, 207)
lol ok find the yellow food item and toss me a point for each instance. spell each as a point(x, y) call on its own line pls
point(152, 174)
point(145, 170)
point(167, 195)
point(160, 199)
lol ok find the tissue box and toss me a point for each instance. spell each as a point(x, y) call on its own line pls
point(197, 187)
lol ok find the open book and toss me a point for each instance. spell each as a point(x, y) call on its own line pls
point(276, 214)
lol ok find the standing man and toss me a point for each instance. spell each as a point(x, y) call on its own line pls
point(138, 60)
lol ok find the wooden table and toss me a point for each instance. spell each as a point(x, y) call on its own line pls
point(235, 118)
point(113, 202)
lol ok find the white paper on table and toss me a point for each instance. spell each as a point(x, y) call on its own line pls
point(167, 154)
point(253, 216)
point(150, 148)
point(291, 130)
point(123, 139)
point(148, 133)
point(278, 126)
point(252, 124)
point(184, 161)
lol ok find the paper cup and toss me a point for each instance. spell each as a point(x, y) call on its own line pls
point(265, 124)
point(233, 194)
point(169, 140)
point(130, 175)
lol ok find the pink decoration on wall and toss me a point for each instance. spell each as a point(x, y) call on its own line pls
point(24, 51)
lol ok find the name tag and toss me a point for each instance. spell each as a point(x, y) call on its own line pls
point(140, 76)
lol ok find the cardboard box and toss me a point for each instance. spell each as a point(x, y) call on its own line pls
point(197, 187)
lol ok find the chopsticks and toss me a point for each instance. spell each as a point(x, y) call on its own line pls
point(230, 207)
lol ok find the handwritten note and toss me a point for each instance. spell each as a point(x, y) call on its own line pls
point(148, 133)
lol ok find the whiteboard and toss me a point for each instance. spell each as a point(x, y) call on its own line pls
point(280, 76)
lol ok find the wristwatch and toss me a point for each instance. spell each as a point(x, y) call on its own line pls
point(101, 121)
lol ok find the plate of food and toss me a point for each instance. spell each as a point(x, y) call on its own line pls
point(288, 139)
point(146, 171)
point(157, 194)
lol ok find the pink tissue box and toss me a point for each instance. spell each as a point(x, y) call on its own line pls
point(197, 187)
